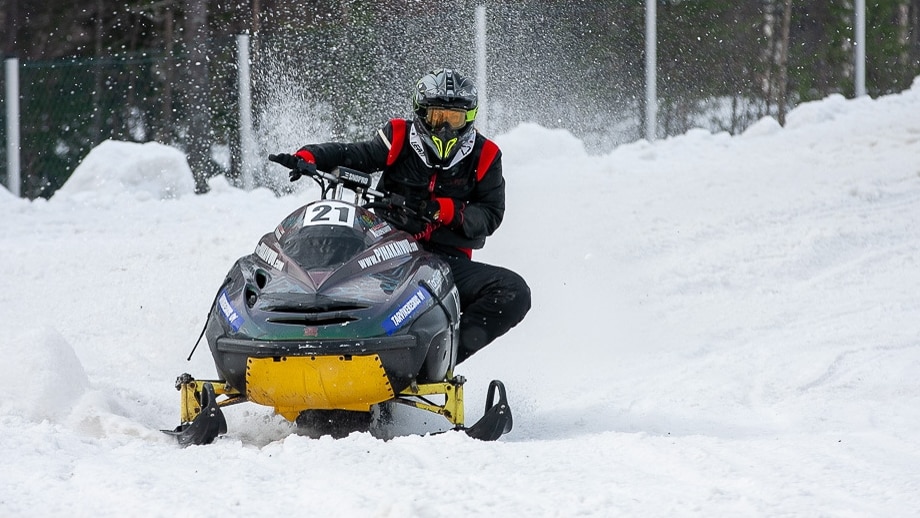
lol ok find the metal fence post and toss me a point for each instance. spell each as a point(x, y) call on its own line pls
point(247, 140)
point(860, 58)
point(13, 179)
point(651, 72)
point(482, 84)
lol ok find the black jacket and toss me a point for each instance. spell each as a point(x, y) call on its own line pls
point(476, 180)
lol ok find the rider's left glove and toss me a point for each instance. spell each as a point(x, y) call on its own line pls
point(300, 163)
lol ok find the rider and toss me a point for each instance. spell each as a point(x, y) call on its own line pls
point(451, 176)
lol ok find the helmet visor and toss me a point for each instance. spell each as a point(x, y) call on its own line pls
point(436, 116)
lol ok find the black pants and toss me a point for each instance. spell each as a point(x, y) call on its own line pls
point(492, 301)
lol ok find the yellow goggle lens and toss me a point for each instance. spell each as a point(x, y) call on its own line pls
point(453, 117)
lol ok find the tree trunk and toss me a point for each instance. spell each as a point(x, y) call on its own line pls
point(196, 91)
point(165, 132)
point(10, 26)
point(98, 36)
point(904, 34)
point(769, 54)
point(782, 80)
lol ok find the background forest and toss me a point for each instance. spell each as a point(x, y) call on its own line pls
point(165, 70)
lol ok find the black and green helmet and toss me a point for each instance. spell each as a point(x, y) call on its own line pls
point(446, 88)
point(445, 103)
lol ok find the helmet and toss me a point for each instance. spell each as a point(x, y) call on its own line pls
point(445, 104)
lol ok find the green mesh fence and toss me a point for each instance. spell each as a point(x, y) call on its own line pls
point(68, 107)
point(578, 67)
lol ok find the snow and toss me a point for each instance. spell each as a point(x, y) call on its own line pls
point(722, 326)
point(116, 169)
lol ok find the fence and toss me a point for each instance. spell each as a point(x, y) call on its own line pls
point(577, 68)
point(68, 107)
point(308, 84)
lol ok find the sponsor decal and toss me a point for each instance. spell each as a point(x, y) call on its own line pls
point(353, 176)
point(416, 142)
point(366, 219)
point(290, 222)
point(388, 251)
point(396, 320)
point(270, 256)
point(380, 229)
point(437, 281)
point(233, 318)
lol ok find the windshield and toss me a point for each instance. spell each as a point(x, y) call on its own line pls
point(323, 246)
point(326, 234)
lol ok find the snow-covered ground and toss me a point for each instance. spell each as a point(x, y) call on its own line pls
point(722, 326)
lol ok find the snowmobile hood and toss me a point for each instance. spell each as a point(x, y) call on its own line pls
point(328, 240)
point(331, 270)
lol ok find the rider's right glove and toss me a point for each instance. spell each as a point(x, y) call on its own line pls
point(443, 210)
point(300, 163)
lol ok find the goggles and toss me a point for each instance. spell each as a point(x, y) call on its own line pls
point(436, 116)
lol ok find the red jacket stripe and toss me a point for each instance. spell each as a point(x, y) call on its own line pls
point(489, 152)
point(396, 143)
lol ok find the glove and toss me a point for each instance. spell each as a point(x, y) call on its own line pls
point(444, 210)
point(300, 163)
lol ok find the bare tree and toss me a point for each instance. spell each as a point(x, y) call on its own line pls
point(166, 132)
point(9, 12)
point(195, 91)
point(783, 69)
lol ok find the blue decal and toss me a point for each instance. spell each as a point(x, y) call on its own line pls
point(234, 318)
point(396, 320)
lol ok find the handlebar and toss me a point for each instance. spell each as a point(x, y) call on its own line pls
point(356, 181)
point(353, 179)
point(360, 182)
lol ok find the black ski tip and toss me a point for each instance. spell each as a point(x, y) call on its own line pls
point(207, 426)
point(497, 419)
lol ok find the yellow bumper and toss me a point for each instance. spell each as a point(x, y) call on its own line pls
point(292, 384)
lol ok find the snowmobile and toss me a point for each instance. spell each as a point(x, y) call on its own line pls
point(335, 314)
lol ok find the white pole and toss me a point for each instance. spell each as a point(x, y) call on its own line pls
point(860, 48)
point(482, 85)
point(13, 178)
point(247, 139)
point(651, 60)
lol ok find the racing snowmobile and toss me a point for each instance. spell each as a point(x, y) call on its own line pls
point(335, 313)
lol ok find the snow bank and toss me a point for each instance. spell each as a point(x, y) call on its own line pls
point(40, 375)
point(139, 171)
point(7, 198)
point(526, 144)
